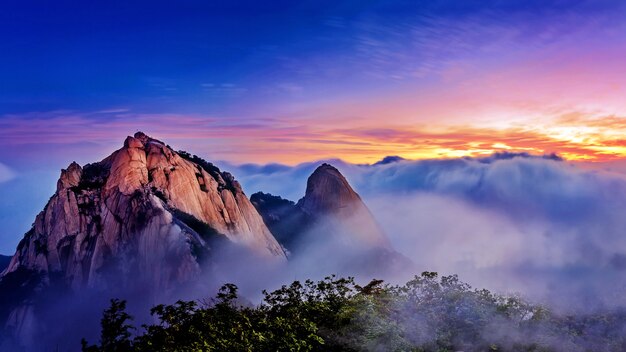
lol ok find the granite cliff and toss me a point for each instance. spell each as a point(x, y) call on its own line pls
point(330, 196)
point(137, 204)
point(331, 226)
point(151, 218)
point(146, 216)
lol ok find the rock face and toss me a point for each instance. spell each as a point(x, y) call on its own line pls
point(286, 220)
point(332, 227)
point(140, 205)
point(329, 202)
point(328, 194)
point(146, 220)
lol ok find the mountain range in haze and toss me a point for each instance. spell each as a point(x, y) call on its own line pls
point(150, 220)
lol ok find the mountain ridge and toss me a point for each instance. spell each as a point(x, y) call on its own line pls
point(329, 194)
point(150, 221)
point(331, 226)
point(136, 187)
point(145, 217)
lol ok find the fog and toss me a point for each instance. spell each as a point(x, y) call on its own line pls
point(550, 230)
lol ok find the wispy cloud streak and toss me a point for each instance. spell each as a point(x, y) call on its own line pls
point(573, 135)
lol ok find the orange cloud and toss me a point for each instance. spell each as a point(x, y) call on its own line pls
point(574, 136)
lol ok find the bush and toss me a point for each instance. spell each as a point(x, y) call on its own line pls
point(224, 179)
point(428, 313)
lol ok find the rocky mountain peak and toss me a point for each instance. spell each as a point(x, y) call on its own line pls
point(145, 201)
point(327, 191)
point(329, 196)
point(70, 177)
point(142, 137)
point(331, 221)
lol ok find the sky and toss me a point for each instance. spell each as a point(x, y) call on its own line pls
point(295, 81)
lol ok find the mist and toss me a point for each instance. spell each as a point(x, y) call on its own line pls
point(545, 229)
point(550, 230)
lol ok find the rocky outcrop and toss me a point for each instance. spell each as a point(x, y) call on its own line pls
point(330, 196)
point(390, 159)
point(134, 207)
point(332, 227)
point(285, 220)
point(146, 220)
point(329, 202)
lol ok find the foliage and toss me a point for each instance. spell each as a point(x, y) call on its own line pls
point(283, 217)
point(224, 179)
point(41, 246)
point(203, 229)
point(207, 166)
point(17, 287)
point(94, 176)
point(116, 330)
point(426, 314)
point(209, 234)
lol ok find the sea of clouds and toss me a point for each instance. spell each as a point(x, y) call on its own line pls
point(551, 230)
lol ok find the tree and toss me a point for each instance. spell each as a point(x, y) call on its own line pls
point(116, 332)
point(428, 313)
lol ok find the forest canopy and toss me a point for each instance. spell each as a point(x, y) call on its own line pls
point(428, 313)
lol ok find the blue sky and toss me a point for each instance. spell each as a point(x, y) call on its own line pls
point(295, 81)
point(205, 56)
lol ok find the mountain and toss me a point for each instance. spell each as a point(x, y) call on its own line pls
point(284, 219)
point(332, 227)
point(329, 196)
point(389, 160)
point(151, 223)
point(146, 216)
point(138, 202)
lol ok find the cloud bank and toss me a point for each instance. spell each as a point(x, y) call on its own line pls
point(549, 229)
point(577, 135)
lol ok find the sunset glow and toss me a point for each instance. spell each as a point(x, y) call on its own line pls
point(291, 82)
point(418, 81)
point(215, 160)
point(276, 140)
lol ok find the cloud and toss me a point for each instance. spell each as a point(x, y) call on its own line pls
point(6, 174)
point(552, 230)
point(546, 228)
point(576, 135)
